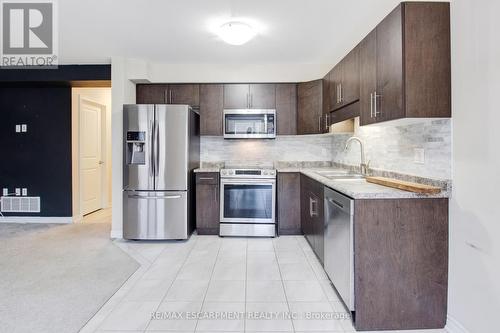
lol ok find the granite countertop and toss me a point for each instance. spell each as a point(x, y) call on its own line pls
point(357, 189)
point(360, 188)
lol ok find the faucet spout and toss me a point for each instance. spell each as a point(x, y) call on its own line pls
point(363, 166)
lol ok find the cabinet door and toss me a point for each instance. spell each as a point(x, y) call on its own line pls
point(286, 108)
point(310, 107)
point(236, 96)
point(350, 77)
point(151, 93)
point(289, 204)
point(211, 108)
point(335, 86)
point(305, 209)
point(207, 203)
point(367, 77)
point(326, 94)
point(389, 101)
point(263, 96)
point(184, 94)
point(319, 221)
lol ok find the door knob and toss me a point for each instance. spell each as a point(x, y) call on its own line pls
point(101, 162)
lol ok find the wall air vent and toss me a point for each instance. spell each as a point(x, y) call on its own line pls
point(20, 205)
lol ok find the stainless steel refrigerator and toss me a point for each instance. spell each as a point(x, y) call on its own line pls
point(161, 150)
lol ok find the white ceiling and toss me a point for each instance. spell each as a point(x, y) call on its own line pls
point(178, 31)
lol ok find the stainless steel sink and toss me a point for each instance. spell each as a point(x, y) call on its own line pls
point(340, 175)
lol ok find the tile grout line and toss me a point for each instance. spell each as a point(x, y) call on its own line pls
point(208, 286)
point(175, 277)
point(283, 286)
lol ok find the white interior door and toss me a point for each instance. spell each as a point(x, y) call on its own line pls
point(91, 158)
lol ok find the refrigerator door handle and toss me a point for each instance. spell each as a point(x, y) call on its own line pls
point(151, 149)
point(157, 148)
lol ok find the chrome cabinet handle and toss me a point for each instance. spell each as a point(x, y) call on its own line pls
point(312, 211)
point(340, 93)
point(376, 112)
point(216, 195)
point(371, 105)
point(251, 100)
point(319, 123)
point(170, 94)
point(135, 196)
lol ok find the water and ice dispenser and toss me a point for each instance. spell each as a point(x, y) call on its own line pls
point(136, 147)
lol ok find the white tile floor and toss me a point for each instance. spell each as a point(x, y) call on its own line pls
point(209, 275)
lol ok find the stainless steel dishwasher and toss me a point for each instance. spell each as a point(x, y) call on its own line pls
point(339, 245)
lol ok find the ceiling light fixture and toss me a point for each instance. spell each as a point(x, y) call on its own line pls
point(236, 33)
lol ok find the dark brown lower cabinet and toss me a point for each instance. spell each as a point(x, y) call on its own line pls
point(400, 263)
point(312, 214)
point(289, 203)
point(207, 203)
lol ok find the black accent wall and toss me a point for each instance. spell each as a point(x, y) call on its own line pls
point(39, 159)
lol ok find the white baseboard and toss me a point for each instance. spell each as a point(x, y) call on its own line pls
point(117, 234)
point(454, 326)
point(36, 219)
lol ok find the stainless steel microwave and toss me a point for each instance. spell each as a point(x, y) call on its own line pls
point(250, 124)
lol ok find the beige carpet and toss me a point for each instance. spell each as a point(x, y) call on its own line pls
point(55, 278)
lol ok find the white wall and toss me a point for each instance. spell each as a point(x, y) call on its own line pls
point(101, 96)
point(474, 274)
point(122, 92)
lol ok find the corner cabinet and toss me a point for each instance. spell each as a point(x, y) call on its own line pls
point(310, 119)
point(207, 203)
point(405, 68)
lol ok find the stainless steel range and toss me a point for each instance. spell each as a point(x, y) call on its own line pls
point(247, 202)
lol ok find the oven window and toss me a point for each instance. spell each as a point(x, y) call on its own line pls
point(248, 201)
point(245, 124)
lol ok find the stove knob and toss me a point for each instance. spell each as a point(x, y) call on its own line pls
point(223, 172)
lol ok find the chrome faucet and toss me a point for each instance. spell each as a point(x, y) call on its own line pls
point(363, 166)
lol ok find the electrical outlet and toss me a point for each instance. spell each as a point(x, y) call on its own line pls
point(18, 128)
point(18, 191)
point(24, 191)
point(419, 155)
point(5, 191)
point(24, 128)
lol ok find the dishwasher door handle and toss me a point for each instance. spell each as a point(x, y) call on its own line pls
point(336, 203)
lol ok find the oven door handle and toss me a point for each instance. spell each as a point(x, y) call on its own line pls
point(267, 181)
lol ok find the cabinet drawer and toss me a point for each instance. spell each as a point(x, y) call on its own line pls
point(208, 178)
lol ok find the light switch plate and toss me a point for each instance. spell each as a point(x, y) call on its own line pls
point(24, 191)
point(18, 191)
point(24, 128)
point(18, 128)
point(419, 155)
point(5, 191)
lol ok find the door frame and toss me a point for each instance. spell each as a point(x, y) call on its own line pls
point(104, 180)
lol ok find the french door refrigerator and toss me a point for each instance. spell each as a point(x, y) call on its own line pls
point(161, 150)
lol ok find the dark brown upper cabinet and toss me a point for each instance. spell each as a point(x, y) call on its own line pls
point(250, 96)
point(343, 81)
point(183, 94)
point(310, 107)
point(405, 64)
point(168, 94)
point(211, 109)
point(150, 93)
point(286, 108)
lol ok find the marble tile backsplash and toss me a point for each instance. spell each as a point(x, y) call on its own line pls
point(391, 147)
point(283, 148)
